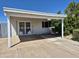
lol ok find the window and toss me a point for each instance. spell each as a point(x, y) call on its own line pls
point(46, 24)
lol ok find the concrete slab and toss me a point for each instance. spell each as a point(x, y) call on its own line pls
point(43, 48)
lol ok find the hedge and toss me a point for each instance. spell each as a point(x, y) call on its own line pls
point(75, 35)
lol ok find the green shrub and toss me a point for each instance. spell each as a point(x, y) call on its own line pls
point(57, 24)
point(75, 35)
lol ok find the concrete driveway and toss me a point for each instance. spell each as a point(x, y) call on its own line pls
point(45, 48)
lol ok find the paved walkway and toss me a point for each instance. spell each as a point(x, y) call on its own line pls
point(41, 48)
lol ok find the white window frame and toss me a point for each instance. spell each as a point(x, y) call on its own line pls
point(44, 24)
point(25, 26)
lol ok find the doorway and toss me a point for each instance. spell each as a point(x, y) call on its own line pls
point(24, 28)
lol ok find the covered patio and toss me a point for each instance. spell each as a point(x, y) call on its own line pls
point(14, 14)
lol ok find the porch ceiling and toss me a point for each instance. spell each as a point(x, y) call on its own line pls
point(32, 14)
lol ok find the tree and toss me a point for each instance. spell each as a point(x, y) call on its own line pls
point(57, 24)
point(72, 20)
point(59, 12)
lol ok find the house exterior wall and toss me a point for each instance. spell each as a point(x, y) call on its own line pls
point(14, 33)
point(36, 25)
point(13, 26)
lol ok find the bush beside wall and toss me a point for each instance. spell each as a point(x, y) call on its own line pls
point(75, 35)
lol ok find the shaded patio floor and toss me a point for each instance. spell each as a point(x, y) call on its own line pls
point(36, 37)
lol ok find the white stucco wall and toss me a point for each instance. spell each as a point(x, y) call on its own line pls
point(36, 25)
point(14, 28)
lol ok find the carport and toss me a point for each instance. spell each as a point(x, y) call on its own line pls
point(20, 13)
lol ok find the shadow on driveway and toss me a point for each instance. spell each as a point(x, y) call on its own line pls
point(34, 37)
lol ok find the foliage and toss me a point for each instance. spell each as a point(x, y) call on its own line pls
point(75, 35)
point(59, 12)
point(72, 20)
point(57, 24)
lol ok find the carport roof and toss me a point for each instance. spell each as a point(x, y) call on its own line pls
point(21, 11)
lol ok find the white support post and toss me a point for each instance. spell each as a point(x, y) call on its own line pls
point(9, 39)
point(49, 27)
point(62, 26)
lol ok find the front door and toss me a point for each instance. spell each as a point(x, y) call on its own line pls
point(24, 28)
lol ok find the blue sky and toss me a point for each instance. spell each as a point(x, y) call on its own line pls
point(37, 5)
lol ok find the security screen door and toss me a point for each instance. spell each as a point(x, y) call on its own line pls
point(24, 28)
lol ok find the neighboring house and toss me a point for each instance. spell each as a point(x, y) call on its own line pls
point(3, 30)
point(26, 22)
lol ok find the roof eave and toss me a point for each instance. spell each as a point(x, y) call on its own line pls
point(6, 9)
